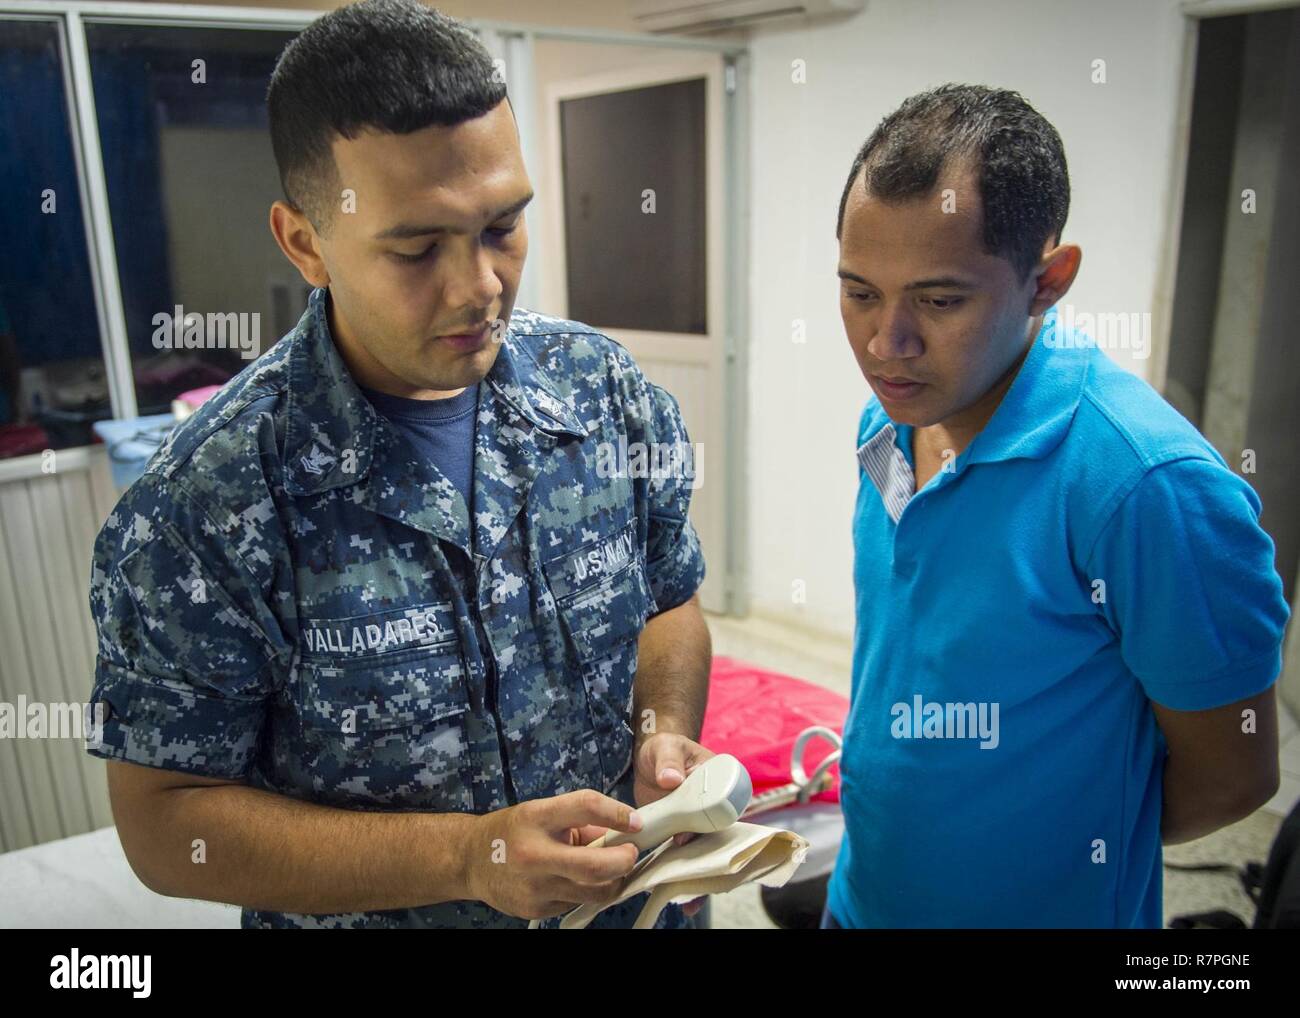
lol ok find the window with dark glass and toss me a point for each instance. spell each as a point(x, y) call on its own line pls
point(634, 207)
point(190, 177)
point(53, 384)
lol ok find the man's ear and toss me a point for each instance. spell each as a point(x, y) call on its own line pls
point(299, 242)
point(1054, 275)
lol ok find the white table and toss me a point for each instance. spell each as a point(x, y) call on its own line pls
point(85, 882)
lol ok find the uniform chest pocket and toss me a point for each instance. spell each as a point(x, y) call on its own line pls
point(601, 593)
point(388, 732)
point(607, 615)
point(603, 620)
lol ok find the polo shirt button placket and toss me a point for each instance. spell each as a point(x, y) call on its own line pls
point(903, 563)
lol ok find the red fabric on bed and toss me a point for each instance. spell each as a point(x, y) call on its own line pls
point(755, 715)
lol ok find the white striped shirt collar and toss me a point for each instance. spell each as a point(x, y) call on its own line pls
point(888, 469)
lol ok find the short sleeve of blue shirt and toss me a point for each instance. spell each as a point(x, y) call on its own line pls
point(1190, 586)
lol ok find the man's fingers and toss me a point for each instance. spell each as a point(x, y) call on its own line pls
point(582, 892)
point(593, 865)
point(585, 808)
point(586, 835)
point(692, 906)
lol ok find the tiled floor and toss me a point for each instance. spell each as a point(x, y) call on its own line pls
point(826, 661)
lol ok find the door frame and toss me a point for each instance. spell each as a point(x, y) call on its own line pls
point(720, 350)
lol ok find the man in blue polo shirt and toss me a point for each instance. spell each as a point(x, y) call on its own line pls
point(1068, 618)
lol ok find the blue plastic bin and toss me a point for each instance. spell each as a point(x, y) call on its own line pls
point(131, 442)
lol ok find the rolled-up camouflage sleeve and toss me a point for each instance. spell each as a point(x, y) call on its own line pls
point(674, 560)
point(183, 670)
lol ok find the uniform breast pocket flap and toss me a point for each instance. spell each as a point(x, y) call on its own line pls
point(602, 594)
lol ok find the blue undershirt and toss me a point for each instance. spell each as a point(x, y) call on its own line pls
point(440, 430)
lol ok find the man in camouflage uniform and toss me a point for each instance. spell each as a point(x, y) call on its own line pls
point(359, 698)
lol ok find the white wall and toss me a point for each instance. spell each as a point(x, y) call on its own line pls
point(805, 399)
point(223, 261)
point(614, 15)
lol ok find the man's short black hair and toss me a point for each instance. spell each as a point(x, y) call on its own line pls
point(390, 65)
point(1016, 154)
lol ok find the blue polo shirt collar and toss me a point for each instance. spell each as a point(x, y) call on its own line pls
point(1030, 422)
point(1036, 412)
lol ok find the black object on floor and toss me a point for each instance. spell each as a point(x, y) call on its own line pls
point(796, 906)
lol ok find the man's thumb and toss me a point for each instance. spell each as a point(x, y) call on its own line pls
point(669, 765)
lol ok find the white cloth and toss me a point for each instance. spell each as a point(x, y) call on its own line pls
point(707, 864)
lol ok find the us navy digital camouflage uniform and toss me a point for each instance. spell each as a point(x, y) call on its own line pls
point(289, 596)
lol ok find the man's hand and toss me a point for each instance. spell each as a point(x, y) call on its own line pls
point(531, 860)
point(662, 763)
point(672, 688)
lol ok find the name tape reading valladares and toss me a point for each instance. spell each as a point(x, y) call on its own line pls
point(416, 627)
